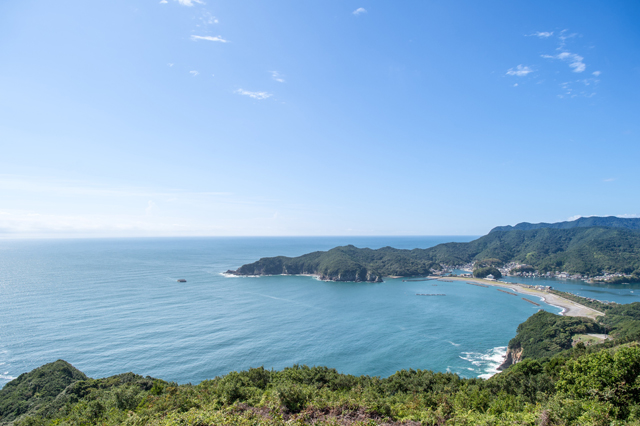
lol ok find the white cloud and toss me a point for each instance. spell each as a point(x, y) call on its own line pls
point(190, 2)
point(170, 65)
point(194, 73)
point(208, 19)
point(563, 38)
point(163, 2)
point(277, 76)
point(359, 11)
point(575, 61)
point(596, 73)
point(254, 95)
point(519, 71)
point(515, 85)
point(209, 38)
point(543, 34)
point(609, 180)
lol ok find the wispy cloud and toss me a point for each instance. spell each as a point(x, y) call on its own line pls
point(596, 73)
point(254, 95)
point(190, 2)
point(170, 65)
point(609, 179)
point(277, 76)
point(542, 34)
point(519, 71)
point(575, 61)
point(359, 11)
point(163, 2)
point(208, 19)
point(563, 37)
point(209, 38)
point(194, 73)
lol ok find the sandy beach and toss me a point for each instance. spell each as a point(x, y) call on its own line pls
point(570, 308)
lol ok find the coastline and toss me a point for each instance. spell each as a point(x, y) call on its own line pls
point(569, 307)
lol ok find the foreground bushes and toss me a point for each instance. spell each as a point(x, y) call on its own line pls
point(600, 388)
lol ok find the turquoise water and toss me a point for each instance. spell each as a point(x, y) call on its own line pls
point(111, 306)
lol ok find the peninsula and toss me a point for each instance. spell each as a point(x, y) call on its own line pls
point(591, 247)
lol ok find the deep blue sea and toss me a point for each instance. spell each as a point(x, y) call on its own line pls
point(114, 305)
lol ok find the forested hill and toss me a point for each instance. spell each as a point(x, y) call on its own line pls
point(588, 251)
point(583, 222)
point(347, 263)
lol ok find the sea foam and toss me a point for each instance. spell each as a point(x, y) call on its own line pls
point(486, 363)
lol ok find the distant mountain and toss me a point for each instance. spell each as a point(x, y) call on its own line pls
point(583, 222)
point(578, 250)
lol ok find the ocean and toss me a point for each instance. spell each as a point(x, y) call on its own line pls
point(110, 306)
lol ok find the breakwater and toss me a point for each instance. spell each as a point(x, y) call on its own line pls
point(508, 292)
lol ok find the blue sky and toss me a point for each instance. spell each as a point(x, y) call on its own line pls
point(186, 117)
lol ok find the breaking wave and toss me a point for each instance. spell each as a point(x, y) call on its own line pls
point(485, 364)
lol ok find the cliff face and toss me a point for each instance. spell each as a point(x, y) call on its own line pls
point(346, 276)
point(514, 356)
point(357, 276)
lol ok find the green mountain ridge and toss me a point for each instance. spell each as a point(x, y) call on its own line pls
point(578, 250)
point(583, 222)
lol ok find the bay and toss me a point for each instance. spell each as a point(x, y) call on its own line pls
point(114, 305)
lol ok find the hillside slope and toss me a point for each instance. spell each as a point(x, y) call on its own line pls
point(587, 251)
point(583, 222)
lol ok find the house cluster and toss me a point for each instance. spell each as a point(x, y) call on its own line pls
point(607, 276)
point(543, 287)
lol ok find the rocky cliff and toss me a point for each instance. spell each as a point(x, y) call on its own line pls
point(514, 356)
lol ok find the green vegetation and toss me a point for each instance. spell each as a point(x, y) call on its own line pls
point(633, 278)
point(523, 268)
point(484, 263)
point(575, 388)
point(485, 272)
point(545, 334)
point(622, 322)
point(583, 222)
point(29, 392)
point(346, 263)
point(579, 250)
